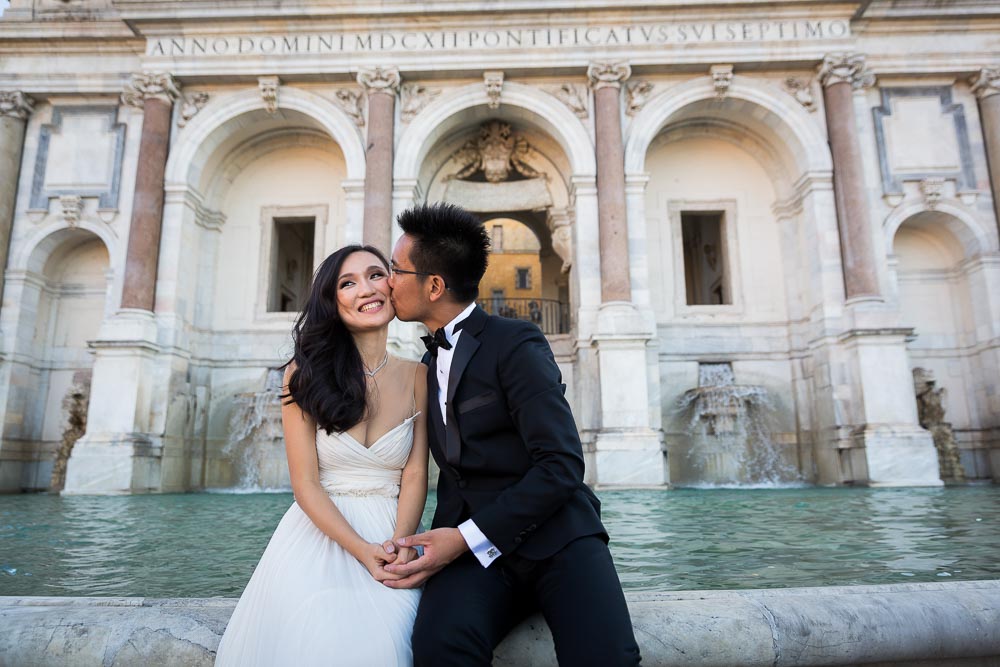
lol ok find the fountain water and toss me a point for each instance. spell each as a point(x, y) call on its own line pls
point(255, 443)
point(729, 434)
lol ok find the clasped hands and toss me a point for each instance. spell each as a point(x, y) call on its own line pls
point(394, 563)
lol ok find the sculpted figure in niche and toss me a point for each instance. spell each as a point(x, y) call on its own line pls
point(495, 152)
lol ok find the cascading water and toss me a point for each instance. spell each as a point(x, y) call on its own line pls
point(256, 439)
point(729, 434)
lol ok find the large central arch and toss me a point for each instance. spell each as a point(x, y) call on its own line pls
point(544, 111)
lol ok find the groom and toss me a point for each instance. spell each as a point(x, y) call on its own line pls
point(516, 530)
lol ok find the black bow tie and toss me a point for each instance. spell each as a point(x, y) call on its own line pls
point(438, 340)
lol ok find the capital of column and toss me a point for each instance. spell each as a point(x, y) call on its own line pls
point(15, 104)
point(845, 68)
point(150, 85)
point(380, 80)
point(607, 75)
point(986, 83)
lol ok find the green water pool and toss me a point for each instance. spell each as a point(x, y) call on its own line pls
point(205, 545)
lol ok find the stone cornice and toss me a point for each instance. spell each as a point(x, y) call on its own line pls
point(608, 75)
point(845, 68)
point(380, 80)
point(986, 82)
point(150, 85)
point(15, 104)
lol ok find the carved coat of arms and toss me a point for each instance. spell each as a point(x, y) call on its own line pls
point(495, 152)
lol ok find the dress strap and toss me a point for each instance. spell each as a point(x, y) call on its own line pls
point(413, 392)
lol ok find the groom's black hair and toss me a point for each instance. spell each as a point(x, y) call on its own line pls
point(450, 242)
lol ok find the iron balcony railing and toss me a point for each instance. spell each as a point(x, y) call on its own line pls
point(551, 315)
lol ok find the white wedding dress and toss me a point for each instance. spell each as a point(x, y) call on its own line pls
point(309, 602)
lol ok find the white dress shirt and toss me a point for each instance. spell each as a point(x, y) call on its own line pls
point(478, 543)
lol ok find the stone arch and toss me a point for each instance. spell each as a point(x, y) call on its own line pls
point(35, 251)
point(519, 101)
point(61, 286)
point(938, 280)
point(804, 142)
point(959, 222)
point(260, 145)
point(223, 117)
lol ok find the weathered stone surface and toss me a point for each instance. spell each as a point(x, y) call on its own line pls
point(911, 624)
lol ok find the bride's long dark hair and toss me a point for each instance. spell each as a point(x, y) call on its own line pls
point(328, 381)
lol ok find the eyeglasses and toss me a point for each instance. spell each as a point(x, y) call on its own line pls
point(395, 270)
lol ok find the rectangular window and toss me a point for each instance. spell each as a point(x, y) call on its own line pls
point(523, 280)
point(705, 275)
point(294, 239)
point(496, 238)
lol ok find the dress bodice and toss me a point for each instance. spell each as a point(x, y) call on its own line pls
point(347, 467)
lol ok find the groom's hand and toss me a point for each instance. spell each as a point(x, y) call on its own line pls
point(441, 546)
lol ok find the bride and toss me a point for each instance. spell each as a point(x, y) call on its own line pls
point(356, 442)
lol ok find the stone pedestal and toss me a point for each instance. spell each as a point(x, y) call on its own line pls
point(897, 451)
point(629, 445)
point(381, 86)
point(986, 86)
point(840, 74)
point(118, 454)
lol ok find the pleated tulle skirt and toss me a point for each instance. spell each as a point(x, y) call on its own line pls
point(309, 602)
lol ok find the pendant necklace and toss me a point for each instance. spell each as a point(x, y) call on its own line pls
point(371, 373)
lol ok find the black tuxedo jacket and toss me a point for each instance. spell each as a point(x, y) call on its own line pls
point(510, 455)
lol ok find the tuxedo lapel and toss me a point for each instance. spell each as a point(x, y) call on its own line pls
point(467, 346)
point(434, 406)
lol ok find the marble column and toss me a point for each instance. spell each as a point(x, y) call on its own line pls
point(606, 80)
point(155, 95)
point(15, 107)
point(986, 86)
point(840, 74)
point(381, 86)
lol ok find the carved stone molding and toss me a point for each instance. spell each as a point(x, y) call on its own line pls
point(573, 96)
point(268, 86)
point(986, 83)
point(209, 218)
point(637, 94)
point(71, 208)
point(802, 91)
point(845, 68)
point(15, 104)
point(413, 98)
point(190, 108)
point(494, 87)
point(379, 80)
point(352, 102)
point(150, 85)
point(932, 189)
point(603, 75)
point(722, 78)
point(559, 223)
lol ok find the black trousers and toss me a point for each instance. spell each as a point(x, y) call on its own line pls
point(466, 609)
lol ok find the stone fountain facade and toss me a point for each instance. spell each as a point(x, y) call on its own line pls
point(799, 191)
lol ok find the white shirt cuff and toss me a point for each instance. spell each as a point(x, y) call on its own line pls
point(478, 543)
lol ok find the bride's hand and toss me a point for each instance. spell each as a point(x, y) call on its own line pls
point(405, 555)
point(376, 556)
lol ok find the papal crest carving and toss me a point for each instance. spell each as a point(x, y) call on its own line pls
point(495, 152)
